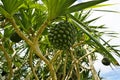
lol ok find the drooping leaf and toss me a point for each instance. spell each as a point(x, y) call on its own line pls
point(87, 22)
point(116, 52)
point(105, 51)
point(59, 7)
point(84, 16)
point(11, 6)
point(62, 7)
point(5, 13)
point(83, 5)
point(102, 5)
point(108, 11)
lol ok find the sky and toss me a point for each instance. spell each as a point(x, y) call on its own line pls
point(112, 21)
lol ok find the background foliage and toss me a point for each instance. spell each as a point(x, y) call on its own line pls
point(34, 57)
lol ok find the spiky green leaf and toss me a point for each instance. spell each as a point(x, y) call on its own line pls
point(83, 5)
point(11, 6)
point(105, 51)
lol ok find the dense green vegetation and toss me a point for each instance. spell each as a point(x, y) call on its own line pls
point(52, 40)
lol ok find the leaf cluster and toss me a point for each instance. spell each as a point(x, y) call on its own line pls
point(33, 57)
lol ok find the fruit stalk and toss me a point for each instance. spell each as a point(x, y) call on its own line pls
point(9, 61)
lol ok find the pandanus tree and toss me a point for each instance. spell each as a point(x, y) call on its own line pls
point(51, 40)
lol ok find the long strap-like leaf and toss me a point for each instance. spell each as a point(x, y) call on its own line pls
point(95, 40)
point(81, 6)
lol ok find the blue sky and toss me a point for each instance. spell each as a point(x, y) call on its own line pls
point(112, 75)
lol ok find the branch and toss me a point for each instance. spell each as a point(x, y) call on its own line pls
point(40, 30)
point(15, 26)
point(56, 55)
point(52, 72)
point(69, 75)
point(78, 44)
point(86, 55)
point(94, 73)
point(96, 77)
point(76, 66)
point(9, 61)
point(30, 63)
point(65, 66)
point(77, 70)
point(34, 45)
point(30, 72)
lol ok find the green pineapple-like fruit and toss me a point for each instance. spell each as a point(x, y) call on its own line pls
point(15, 37)
point(62, 35)
point(105, 61)
point(4, 73)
